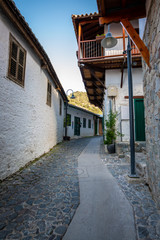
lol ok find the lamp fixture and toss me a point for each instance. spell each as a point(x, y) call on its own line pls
point(109, 41)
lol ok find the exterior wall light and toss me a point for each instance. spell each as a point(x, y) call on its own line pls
point(109, 41)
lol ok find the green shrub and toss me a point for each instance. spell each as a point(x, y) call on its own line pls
point(111, 132)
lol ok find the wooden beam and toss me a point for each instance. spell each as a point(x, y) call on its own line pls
point(97, 87)
point(134, 97)
point(102, 4)
point(129, 13)
point(137, 40)
point(91, 21)
point(124, 35)
point(43, 64)
point(123, 3)
point(94, 75)
point(97, 69)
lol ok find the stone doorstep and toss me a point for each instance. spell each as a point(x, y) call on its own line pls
point(135, 180)
point(122, 147)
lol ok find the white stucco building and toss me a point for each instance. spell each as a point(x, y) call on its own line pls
point(31, 96)
point(82, 123)
point(104, 71)
point(117, 99)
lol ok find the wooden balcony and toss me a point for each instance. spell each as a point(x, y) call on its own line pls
point(91, 49)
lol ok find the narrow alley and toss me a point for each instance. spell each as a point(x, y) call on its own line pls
point(76, 179)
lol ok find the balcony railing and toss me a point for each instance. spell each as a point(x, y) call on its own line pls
point(91, 49)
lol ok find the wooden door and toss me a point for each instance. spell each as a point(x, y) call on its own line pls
point(77, 126)
point(139, 120)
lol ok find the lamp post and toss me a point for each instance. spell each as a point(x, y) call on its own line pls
point(109, 42)
point(131, 118)
point(72, 97)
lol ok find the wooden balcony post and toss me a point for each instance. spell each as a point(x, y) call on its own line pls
point(79, 39)
point(124, 47)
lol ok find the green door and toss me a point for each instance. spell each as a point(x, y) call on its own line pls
point(139, 120)
point(77, 126)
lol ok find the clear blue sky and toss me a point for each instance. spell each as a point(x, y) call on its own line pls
point(50, 21)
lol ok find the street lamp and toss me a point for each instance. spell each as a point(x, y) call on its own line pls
point(109, 41)
point(72, 97)
point(131, 118)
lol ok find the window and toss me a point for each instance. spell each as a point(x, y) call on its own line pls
point(84, 122)
point(17, 62)
point(89, 123)
point(49, 94)
point(60, 106)
point(68, 120)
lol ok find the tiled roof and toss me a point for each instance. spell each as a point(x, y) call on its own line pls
point(11, 7)
point(84, 110)
point(76, 19)
point(85, 15)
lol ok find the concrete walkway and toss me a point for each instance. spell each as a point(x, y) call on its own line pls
point(104, 212)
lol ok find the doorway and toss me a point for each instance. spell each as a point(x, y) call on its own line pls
point(139, 120)
point(77, 126)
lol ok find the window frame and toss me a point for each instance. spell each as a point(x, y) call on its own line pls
point(49, 93)
point(89, 123)
point(17, 62)
point(68, 120)
point(84, 122)
point(60, 107)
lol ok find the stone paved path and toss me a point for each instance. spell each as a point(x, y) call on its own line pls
point(147, 216)
point(40, 201)
point(104, 212)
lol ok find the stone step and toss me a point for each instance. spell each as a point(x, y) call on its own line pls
point(140, 160)
point(123, 147)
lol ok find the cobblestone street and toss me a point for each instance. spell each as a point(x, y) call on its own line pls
point(40, 201)
point(147, 216)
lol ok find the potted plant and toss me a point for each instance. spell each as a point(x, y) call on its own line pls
point(111, 132)
point(100, 37)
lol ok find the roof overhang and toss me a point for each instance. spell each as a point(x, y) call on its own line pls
point(10, 10)
point(132, 9)
point(89, 24)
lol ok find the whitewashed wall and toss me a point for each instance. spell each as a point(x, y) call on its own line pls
point(113, 78)
point(28, 126)
point(84, 132)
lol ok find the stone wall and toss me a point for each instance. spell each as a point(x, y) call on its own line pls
point(28, 126)
point(152, 97)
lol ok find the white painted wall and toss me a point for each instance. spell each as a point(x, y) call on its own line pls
point(113, 78)
point(28, 126)
point(84, 132)
point(142, 23)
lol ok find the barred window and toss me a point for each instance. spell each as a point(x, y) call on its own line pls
point(17, 62)
point(49, 94)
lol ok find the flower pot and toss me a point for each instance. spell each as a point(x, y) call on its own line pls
point(99, 37)
point(111, 148)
